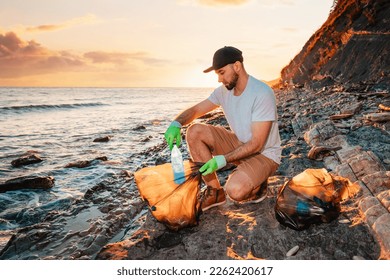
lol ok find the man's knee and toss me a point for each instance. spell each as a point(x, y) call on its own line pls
point(196, 132)
point(238, 190)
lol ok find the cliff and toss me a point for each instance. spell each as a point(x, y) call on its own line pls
point(351, 47)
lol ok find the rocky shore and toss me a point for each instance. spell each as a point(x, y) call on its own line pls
point(329, 128)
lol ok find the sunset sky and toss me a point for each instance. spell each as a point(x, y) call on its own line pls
point(148, 43)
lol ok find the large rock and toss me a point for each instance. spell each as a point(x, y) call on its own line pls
point(26, 159)
point(5, 237)
point(378, 117)
point(382, 230)
point(364, 164)
point(320, 132)
point(29, 182)
point(103, 139)
point(377, 182)
point(84, 163)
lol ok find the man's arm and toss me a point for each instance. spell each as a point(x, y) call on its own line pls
point(260, 132)
point(187, 116)
point(194, 112)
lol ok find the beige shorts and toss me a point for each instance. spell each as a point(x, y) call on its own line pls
point(257, 168)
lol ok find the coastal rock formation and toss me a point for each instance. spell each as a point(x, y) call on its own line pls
point(84, 163)
point(29, 157)
point(102, 139)
point(252, 232)
point(111, 222)
point(351, 47)
point(29, 182)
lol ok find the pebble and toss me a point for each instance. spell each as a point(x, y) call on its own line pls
point(83, 233)
point(344, 221)
point(357, 258)
point(292, 251)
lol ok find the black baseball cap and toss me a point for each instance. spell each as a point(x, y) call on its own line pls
point(225, 56)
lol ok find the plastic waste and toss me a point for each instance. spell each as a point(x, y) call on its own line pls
point(176, 206)
point(304, 208)
point(177, 165)
point(313, 196)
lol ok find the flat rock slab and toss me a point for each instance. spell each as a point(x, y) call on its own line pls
point(29, 182)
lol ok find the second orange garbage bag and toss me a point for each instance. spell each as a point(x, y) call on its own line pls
point(312, 196)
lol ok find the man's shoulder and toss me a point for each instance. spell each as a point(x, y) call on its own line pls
point(220, 90)
point(259, 83)
point(259, 86)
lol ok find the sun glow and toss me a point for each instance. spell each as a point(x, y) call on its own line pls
point(130, 44)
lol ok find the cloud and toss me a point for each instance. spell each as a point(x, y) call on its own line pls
point(120, 58)
point(43, 28)
point(19, 58)
point(87, 19)
point(100, 57)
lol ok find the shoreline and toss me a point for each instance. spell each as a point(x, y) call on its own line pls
point(231, 232)
point(110, 221)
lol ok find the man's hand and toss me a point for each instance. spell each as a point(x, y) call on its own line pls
point(213, 165)
point(173, 134)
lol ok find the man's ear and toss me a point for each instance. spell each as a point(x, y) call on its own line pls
point(237, 66)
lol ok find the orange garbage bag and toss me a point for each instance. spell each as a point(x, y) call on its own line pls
point(312, 196)
point(175, 205)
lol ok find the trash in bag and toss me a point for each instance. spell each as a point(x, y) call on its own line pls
point(175, 205)
point(311, 197)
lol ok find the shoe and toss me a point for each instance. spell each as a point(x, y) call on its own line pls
point(212, 197)
point(259, 196)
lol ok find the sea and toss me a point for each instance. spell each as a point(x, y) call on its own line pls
point(60, 125)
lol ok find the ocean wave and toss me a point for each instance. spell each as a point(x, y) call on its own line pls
point(50, 106)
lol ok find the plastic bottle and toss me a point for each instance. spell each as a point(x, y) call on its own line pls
point(305, 209)
point(177, 165)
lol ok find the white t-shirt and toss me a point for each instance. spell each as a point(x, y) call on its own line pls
point(256, 103)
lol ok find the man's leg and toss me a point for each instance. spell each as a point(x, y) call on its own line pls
point(200, 143)
point(203, 142)
point(249, 179)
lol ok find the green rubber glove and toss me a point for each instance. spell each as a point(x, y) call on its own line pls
point(213, 165)
point(173, 134)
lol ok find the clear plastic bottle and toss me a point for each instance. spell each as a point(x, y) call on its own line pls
point(177, 165)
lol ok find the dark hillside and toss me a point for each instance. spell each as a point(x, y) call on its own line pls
point(351, 48)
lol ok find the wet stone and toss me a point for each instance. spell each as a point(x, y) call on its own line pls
point(382, 229)
point(28, 182)
point(26, 159)
point(292, 251)
point(102, 139)
point(377, 182)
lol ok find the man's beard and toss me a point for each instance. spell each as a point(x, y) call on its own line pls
point(233, 83)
